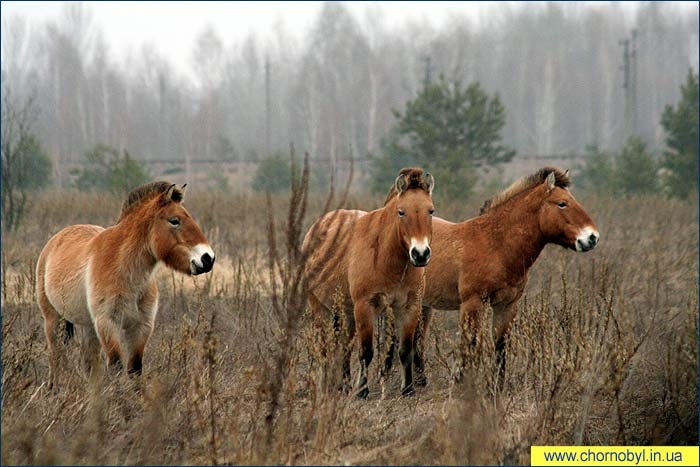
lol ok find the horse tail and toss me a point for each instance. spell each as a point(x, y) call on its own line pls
point(70, 331)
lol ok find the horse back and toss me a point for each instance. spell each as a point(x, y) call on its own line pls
point(61, 271)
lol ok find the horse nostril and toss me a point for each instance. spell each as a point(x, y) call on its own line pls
point(207, 260)
point(593, 239)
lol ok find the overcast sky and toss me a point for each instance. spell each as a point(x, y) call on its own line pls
point(171, 27)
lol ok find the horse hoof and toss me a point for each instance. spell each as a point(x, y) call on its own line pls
point(420, 381)
point(363, 393)
point(408, 390)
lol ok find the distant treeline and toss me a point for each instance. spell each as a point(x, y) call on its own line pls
point(555, 67)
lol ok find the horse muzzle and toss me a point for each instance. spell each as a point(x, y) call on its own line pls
point(419, 256)
point(202, 260)
point(587, 239)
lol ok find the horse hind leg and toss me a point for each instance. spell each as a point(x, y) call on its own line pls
point(420, 343)
point(387, 340)
point(501, 361)
point(349, 325)
point(406, 355)
point(365, 330)
point(51, 319)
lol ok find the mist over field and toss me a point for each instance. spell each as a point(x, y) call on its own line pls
point(330, 90)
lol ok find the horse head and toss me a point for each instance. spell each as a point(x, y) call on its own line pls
point(562, 219)
point(414, 209)
point(175, 238)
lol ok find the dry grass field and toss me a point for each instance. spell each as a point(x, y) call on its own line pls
point(604, 351)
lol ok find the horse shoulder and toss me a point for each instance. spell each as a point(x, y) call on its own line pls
point(103, 250)
point(477, 261)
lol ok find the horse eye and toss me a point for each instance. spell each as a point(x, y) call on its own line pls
point(174, 221)
point(401, 213)
point(562, 204)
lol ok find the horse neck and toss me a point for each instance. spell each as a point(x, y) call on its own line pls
point(136, 261)
point(516, 230)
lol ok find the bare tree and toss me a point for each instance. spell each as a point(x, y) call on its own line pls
point(16, 124)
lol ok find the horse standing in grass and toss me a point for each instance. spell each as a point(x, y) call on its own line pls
point(374, 260)
point(103, 278)
point(486, 259)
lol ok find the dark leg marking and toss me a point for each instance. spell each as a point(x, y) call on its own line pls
point(69, 332)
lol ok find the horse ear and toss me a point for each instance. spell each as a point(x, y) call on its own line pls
point(174, 194)
point(551, 180)
point(566, 173)
point(429, 183)
point(182, 192)
point(400, 184)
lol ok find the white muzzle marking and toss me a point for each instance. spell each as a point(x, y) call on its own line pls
point(587, 239)
point(196, 257)
point(419, 251)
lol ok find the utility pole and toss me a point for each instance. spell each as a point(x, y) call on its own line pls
point(426, 81)
point(629, 83)
point(267, 106)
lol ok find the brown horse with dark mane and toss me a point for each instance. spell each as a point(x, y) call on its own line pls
point(486, 259)
point(373, 261)
point(103, 279)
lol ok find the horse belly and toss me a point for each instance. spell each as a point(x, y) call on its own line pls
point(65, 266)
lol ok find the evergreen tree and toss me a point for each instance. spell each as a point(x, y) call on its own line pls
point(448, 131)
point(636, 169)
point(681, 126)
point(597, 172)
point(273, 174)
point(106, 170)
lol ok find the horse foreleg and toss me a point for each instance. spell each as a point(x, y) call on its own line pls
point(409, 323)
point(502, 324)
point(137, 333)
point(135, 339)
point(419, 345)
point(364, 316)
point(108, 334)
